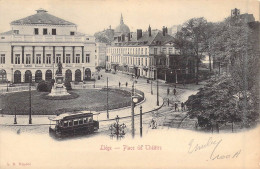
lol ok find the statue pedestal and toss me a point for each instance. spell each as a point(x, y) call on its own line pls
point(59, 89)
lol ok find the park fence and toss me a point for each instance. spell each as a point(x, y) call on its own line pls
point(16, 89)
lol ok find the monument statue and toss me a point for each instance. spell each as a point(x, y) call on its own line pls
point(59, 68)
point(59, 88)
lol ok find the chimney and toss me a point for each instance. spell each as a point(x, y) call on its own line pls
point(150, 31)
point(166, 30)
point(139, 33)
point(123, 38)
point(128, 37)
point(163, 30)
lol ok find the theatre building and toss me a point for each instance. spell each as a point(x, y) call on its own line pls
point(36, 44)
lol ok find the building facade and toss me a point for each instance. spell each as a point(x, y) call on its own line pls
point(36, 44)
point(141, 53)
point(101, 54)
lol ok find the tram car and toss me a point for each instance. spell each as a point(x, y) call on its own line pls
point(70, 124)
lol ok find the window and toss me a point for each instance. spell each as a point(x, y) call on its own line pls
point(48, 59)
point(164, 50)
point(170, 50)
point(2, 59)
point(16, 32)
point(75, 122)
point(146, 51)
point(36, 31)
point(58, 58)
point(138, 61)
point(145, 61)
point(65, 124)
point(155, 51)
point(70, 123)
point(142, 62)
point(28, 58)
point(72, 33)
point(53, 31)
point(80, 121)
point(85, 120)
point(17, 58)
point(77, 58)
point(2, 37)
point(67, 58)
point(38, 58)
point(142, 51)
point(45, 31)
point(87, 58)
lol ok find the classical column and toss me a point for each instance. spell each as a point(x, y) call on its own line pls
point(22, 54)
point(33, 53)
point(43, 54)
point(53, 54)
point(63, 61)
point(73, 54)
point(82, 54)
point(12, 54)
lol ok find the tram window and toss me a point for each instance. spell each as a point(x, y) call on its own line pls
point(90, 119)
point(75, 122)
point(85, 120)
point(81, 121)
point(65, 124)
point(70, 123)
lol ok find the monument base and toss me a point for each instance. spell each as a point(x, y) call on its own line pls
point(58, 90)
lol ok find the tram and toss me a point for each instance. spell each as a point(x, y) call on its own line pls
point(70, 124)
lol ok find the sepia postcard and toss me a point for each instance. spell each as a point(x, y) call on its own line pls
point(128, 84)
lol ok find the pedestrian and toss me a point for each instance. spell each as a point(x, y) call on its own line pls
point(126, 84)
point(168, 101)
point(176, 106)
point(174, 91)
point(168, 91)
point(182, 106)
point(119, 84)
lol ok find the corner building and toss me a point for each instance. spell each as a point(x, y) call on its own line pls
point(36, 44)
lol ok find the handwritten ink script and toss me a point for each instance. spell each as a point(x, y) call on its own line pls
point(213, 145)
point(131, 148)
point(20, 164)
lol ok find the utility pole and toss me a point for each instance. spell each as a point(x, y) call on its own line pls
point(141, 121)
point(30, 101)
point(133, 113)
point(107, 100)
point(157, 88)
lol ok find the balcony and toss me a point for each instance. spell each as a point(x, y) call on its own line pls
point(46, 38)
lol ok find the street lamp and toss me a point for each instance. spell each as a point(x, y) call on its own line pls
point(141, 121)
point(157, 102)
point(6, 85)
point(117, 129)
point(15, 121)
point(30, 100)
point(133, 102)
point(107, 100)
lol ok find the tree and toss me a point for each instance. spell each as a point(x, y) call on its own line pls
point(193, 35)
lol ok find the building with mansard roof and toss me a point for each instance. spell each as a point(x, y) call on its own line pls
point(141, 53)
point(37, 43)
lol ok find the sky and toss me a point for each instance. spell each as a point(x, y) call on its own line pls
point(96, 15)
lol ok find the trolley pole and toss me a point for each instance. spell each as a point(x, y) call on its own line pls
point(141, 121)
point(133, 113)
point(107, 100)
point(30, 101)
point(157, 88)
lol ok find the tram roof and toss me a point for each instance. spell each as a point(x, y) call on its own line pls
point(72, 115)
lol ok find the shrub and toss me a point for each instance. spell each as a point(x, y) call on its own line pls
point(67, 84)
point(44, 86)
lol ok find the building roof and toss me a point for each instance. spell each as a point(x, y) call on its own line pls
point(41, 17)
point(156, 38)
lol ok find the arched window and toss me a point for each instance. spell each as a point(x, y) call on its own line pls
point(87, 74)
point(48, 75)
point(17, 76)
point(2, 76)
point(28, 76)
point(38, 76)
point(77, 75)
point(68, 75)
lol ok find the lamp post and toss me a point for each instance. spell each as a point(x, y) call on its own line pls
point(6, 85)
point(157, 102)
point(107, 100)
point(134, 100)
point(117, 127)
point(141, 121)
point(15, 121)
point(30, 101)
point(151, 81)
